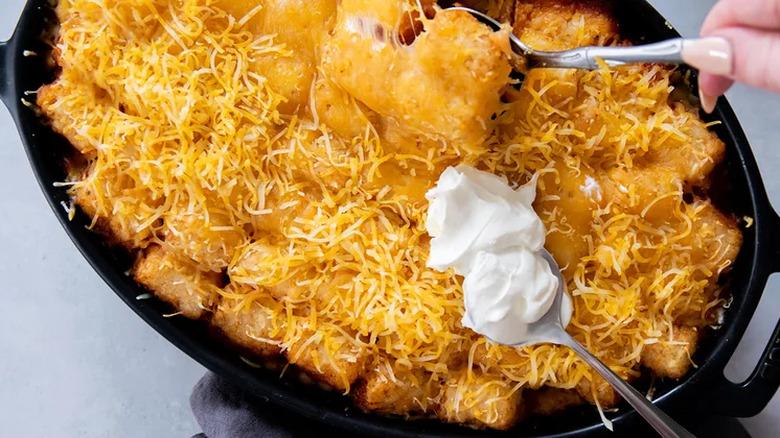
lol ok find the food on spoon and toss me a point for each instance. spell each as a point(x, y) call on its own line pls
point(488, 233)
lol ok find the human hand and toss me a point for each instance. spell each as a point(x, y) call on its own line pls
point(753, 29)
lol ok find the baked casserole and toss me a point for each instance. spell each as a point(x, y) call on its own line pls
point(267, 161)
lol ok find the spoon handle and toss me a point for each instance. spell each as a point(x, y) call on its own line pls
point(662, 423)
point(712, 54)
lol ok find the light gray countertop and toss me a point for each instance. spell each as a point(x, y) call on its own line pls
point(75, 361)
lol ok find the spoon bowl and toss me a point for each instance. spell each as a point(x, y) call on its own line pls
point(550, 327)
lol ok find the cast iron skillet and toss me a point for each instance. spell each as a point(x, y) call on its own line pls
point(704, 390)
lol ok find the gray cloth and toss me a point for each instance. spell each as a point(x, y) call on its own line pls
point(224, 411)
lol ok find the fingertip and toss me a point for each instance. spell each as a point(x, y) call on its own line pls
point(710, 88)
point(713, 85)
point(707, 101)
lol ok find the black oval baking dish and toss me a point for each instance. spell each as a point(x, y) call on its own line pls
point(24, 67)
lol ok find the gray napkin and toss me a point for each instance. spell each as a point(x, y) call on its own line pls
point(224, 411)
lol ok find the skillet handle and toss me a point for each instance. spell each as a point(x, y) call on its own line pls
point(5, 76)
point(750, 397)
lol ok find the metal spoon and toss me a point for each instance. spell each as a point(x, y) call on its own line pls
point(549, 329)
point(712, 54)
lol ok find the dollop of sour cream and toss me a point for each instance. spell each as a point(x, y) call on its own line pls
point(490, 234)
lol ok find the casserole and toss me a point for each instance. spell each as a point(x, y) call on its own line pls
point(48, 152)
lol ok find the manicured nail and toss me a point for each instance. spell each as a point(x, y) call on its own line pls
point(707, 102)
point(712, 54)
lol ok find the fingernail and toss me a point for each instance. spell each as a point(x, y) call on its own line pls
point(707, 102)
point(711, 54)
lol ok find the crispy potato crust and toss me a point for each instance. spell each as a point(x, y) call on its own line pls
point(672, 358)
point(482, 401)
point(251, 329)
point(178, 282)
point(402, 394)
